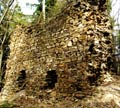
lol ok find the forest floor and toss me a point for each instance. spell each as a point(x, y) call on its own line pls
point(105, 96)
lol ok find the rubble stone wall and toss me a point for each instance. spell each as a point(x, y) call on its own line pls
point(67, 55)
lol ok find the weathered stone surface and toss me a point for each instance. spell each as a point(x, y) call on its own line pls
point(75, 48)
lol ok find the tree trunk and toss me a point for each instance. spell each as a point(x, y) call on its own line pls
point(43, 10)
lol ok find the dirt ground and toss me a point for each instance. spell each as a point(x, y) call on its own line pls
point(105, 96)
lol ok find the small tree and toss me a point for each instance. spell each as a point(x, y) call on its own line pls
point(4, 29)
point(43, 10)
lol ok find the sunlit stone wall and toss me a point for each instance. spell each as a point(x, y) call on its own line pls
point(67, 57)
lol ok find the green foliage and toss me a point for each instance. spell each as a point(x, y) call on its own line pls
point(19, 18)
point(7, 105)
point(109, 6)
point(56, 8)
point(53, 7)
point(38, 12)
point(49, 4)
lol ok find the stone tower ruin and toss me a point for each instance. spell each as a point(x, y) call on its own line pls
point(67, 56)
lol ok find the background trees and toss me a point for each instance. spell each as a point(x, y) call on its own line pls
point(115, 14)
point(5, 18)
point(10, 16)
point(46, 9)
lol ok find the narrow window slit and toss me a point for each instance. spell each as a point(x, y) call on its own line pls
point(21, 79)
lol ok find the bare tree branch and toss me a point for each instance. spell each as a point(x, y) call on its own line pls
point(6, 11)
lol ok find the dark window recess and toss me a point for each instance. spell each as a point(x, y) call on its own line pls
point(93, 79)
point(107, 42)
point(92, 2)
point(51, 79)
point(21, 79)
point(98, 20)
point(91, 48)
point(106, 33)
point(77, 5)
point(109, 62)
point(1, 86)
